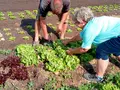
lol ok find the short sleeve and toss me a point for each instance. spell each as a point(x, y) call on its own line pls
point(66, 6)
point(43, 8)
point(89, 33)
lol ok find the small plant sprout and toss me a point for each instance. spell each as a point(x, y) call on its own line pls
point(6, 29)
point(30, 85)
point(26, 38)
point(12, 38)
point(5, 52)
point(79, 29)
point(49, 24)
point(72, 25)
point(11, 15)
point(69, 30)
point(72, 10)
point(21, 32)
point(35, 11)
point(2, 16)
point(32, 30)
point(49, 14)
point(29, 27)
point(21, 15)
point(54, 27)
point(28, 12)
point(8, 33)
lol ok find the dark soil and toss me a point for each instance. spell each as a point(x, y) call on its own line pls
point(38, 75)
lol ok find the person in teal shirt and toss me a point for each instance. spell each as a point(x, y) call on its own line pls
point(103, 31)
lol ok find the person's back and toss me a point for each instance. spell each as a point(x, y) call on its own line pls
point(102, 28)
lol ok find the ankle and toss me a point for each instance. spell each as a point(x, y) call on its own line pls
point(100, 78)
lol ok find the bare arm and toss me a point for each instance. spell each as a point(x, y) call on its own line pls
point(73, 39)
point(63, 21)
point(44, 27)
point(76, 51)
point(64, 17)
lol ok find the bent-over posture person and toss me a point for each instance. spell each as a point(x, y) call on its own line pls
point(103, 31)
point(58, 7)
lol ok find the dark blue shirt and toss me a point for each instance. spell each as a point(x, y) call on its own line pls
point(44, 7)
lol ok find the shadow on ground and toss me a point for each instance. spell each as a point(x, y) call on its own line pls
point(29, 26)
point(115, 62)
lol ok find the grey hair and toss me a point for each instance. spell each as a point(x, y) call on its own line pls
point(83, 13)
point(56, 6)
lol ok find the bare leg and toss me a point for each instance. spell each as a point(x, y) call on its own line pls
point(37, 30)
point(102, 66)
point(65, 25)
point(62, 34)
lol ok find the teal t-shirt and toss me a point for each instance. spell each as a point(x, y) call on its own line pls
point(100, 29)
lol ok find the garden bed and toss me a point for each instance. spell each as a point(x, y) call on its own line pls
point(18, 28)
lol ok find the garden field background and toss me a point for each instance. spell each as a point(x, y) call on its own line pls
point(24, 67)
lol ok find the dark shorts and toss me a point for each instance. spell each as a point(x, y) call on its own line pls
point(106, 48)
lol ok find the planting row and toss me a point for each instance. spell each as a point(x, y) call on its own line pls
point(32, 14)
point(8, 32)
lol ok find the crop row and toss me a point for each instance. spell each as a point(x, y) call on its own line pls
point(32, 13)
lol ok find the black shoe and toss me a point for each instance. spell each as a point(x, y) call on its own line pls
point(46, 42)
point(92, 77)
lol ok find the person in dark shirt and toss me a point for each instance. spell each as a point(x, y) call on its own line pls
point(58, 7)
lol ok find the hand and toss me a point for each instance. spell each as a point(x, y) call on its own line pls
point(65, 42)
point(69, 51)
point(59, 28)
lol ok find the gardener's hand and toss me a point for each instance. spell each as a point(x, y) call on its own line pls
point(69, 51)
point(59, 28)
point(65, 42)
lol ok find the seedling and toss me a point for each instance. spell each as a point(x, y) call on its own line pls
point(12, 38)
point(30, 85)
point(30, 14)
point(8, 34)
point(12, 17)
point(79, 29)
point(21, 15)
point(29, 27)
point(21, 32)
point(10, 14)
point(32, 30)
point(2, 16)
point(54, 27)
point(72, 25)
point(35, 11)
point(26, 38)
point(6, 29)
point(69, 30)
point(51, 84)
point(49, 24)
point(49, 14)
